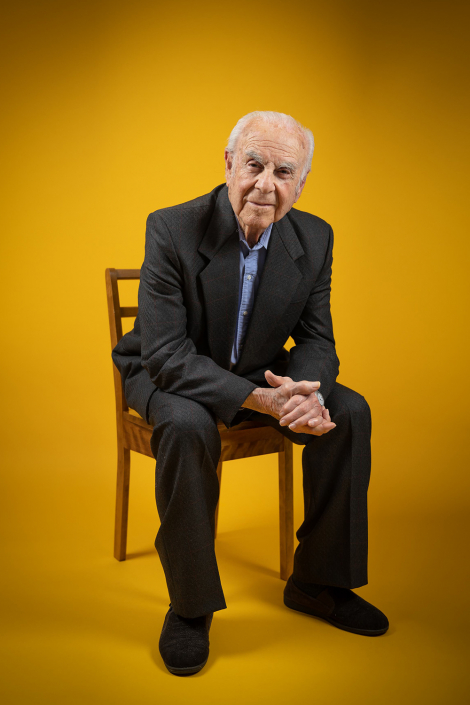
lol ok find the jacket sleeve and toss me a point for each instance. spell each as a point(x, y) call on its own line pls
point(168, 355)
point(314, 355)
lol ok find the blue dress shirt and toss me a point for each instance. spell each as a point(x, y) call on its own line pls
point(252, 261)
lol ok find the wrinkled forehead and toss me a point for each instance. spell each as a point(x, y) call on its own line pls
point(272, 141)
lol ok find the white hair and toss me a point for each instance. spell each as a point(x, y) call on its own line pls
point(273, 118)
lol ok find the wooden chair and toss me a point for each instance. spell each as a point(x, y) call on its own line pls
point(245, 440)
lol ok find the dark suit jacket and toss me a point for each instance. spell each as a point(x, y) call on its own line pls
point(188, 304)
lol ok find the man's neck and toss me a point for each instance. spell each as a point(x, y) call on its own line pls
point(252, 235)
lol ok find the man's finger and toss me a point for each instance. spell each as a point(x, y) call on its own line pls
point(304, 387)
point(311, 419)
point(320, 430)
point(324, 428)
point(297, 399)
point(300, 417)
point(276, 380)
point(317, 421)
point(304, 411)
point(293, 403)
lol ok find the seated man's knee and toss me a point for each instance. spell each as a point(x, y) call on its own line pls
point(182, 417)
point(346, 401)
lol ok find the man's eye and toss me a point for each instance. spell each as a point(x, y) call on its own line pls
point(254, 164)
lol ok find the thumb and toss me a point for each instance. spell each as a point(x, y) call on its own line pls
point(272, 379)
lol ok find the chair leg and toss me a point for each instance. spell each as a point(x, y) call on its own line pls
point(219, 475)
point(122, 503)
point(286, 509)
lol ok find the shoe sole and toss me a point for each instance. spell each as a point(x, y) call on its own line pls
point(189, 671)
point(365, 632)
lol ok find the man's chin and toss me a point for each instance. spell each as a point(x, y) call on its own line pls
point(257, 219)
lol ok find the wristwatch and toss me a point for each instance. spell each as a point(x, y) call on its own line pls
point(319, 396)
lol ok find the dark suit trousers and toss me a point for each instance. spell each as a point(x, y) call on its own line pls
point(332, 539)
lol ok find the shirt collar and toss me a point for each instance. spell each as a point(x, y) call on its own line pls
point(262, 242)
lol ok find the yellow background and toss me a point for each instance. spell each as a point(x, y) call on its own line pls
point(114, 109)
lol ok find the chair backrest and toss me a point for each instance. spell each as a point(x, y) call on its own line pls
point(116, 313)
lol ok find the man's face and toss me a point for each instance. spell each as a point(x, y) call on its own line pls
point(263, 175)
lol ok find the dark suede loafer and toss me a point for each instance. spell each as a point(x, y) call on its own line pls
point(340, 607)
point(184, 643)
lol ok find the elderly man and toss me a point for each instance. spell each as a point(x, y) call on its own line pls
point(226, 279)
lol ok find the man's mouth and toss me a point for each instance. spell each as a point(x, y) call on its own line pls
point(262, 205)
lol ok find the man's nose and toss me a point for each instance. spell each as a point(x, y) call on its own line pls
point(265, 181)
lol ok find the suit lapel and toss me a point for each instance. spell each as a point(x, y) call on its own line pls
point(279, 281)
point(220, 279)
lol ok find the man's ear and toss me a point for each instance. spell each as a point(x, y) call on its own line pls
point(228, 164)
point(300, 189)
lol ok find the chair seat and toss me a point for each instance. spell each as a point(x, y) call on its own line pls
point(250, 438)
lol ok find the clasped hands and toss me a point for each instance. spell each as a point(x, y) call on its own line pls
point(295, 404)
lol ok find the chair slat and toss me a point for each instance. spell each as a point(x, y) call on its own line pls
point(128, 311)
